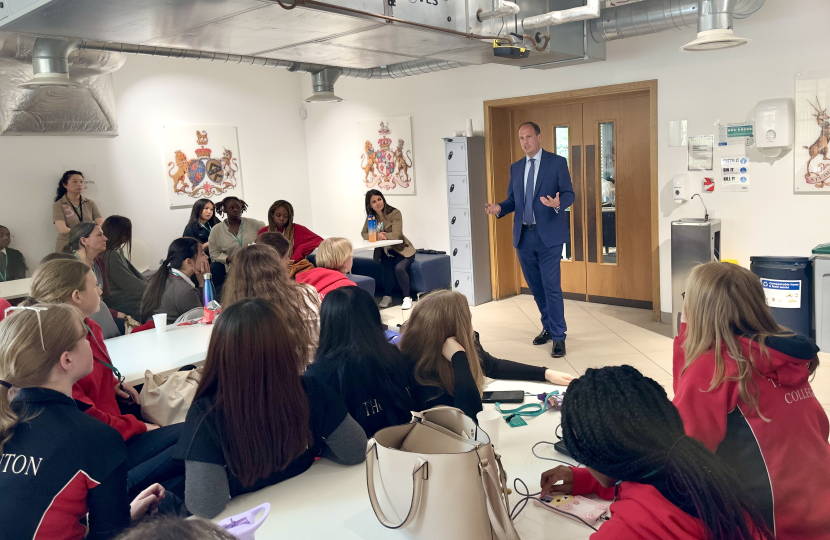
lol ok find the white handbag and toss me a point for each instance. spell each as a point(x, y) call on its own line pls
point(438, 477)
point(166, 400)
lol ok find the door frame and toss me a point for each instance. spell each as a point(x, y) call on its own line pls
point(504, 270)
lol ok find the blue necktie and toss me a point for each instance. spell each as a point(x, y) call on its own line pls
point(527, 217)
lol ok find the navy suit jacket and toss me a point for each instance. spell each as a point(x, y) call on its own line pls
point(553, 177)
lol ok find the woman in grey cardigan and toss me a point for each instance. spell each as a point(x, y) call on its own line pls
point(171, 290)
point(230, 236)
point(124, 286)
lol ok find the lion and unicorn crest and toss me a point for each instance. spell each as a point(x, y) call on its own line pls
point(204, 176)
point(386, 168)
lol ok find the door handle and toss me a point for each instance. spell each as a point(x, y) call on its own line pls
point(453, 220)
point(591, 200)
point(456, 283)
point(452, 187)
point(576, 212)
point(449, 156)
point(454, 252)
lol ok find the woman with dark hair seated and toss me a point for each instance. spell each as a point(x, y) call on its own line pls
point(202, 220)
point(278, 241)
point(86, 243)
point(301, 240)
point(124, 285)
point(12, 263)
point(665, 484)
point(171, 290)
point(255, 420)
point(355, 359)
point(229, 236)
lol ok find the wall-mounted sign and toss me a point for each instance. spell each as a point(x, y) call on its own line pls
point(701, 152)
point(735, 173)
point(735, 133)
point(782, 294)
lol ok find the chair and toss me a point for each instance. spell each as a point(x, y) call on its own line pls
point(140, 255)
point(193, 315)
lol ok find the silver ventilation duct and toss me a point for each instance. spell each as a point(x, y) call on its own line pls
point(714, 27)
point(322, 86)
point(86, 109)
point(404, 69)
point(652, 16)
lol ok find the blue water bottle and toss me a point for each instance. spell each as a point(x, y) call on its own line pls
point(373, 229)
point(208, 289)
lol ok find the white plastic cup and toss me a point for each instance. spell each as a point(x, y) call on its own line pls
point(490, 421)
point(160, 321)
point(469, 127)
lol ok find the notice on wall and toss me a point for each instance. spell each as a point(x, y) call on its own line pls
point(782, 294)
point(701, 152)
point(735, 173)
point(739, 133)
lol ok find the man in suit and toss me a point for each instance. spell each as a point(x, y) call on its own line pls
point(12, 263)
point(540, 190)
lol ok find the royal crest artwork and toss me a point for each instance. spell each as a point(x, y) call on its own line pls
point(386, 155)
point(812, 133)
point(207, 174)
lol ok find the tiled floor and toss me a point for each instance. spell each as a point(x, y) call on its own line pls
point(598, 335)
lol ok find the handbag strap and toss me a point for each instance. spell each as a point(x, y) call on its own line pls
point(500, 518)
point(420, 472)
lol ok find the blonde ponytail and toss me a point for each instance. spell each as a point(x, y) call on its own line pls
point(23, 361)
point(54, 282)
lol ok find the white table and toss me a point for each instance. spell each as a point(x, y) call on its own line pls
point(331, 501)
point(365, 245)
point(159, 352)
point(17, 288)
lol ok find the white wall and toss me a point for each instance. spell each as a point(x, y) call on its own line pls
point(700, 87)
point(130, 173)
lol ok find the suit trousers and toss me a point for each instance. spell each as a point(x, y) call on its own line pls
point(540, 266)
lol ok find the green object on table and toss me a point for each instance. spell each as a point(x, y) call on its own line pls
point(514, 420)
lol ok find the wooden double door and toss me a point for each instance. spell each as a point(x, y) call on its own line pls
point(607, 144)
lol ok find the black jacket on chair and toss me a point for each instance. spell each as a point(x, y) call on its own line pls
point(15, 265)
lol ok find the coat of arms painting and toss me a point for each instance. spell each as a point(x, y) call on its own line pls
point(812, 132)
point(386, 161)
point(194, 171)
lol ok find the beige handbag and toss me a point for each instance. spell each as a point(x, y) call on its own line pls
point(165, 400)
point(438, 477)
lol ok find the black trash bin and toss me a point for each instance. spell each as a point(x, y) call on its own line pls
point(788, 286)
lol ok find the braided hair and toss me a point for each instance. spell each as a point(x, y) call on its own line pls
point(220, 206)
point(623, 425)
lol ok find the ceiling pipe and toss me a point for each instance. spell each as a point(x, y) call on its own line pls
point(501, 8)
point(50, 61)
point(322, 86)
point(714, 27)
point(591, 10)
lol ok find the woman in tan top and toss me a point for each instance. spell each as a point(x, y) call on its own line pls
point(71, 208)
point(396, 259)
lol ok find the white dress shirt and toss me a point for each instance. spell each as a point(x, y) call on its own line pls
point(182, 275)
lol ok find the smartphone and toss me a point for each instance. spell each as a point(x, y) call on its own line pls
point(507, 396)
point(560, 447)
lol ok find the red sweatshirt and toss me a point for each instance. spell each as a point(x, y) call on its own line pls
point(305, 241)
point(324, 280)
point(640, 512)
point(98, 389)
point(784, 463)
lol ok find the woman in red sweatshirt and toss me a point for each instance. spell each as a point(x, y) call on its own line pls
point(149, 447)
point(665, 485)
point(741, 383)
point(281, 219)
point(334, 261)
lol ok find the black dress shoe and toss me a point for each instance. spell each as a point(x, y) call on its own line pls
point(558, 350)
point(542, 338)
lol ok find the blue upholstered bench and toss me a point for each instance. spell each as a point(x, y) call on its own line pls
point(364, 282)
point(427, 272)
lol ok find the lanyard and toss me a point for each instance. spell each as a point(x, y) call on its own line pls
point(78, 213)
point(101, 348)
point(528, 409)
point(238, 238)
point(206, 226)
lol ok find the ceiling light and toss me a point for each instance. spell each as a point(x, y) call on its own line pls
point(709, 40)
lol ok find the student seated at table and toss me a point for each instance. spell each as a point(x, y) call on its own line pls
point(257, 272)
point(202, 220)
point(86, 243)
point(255, 420)
point(447, 361)
point(124, 285)
point(301, 241)
point(60, 466)
point(12, 263)
point(742, 385)
point(334, 261)
point(278, 242)
point(171, 290)
point(103, 393)
point(665, 484)
point(229, 236)
point(357, 361)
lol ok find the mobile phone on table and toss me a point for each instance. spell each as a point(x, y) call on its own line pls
point(506, 396)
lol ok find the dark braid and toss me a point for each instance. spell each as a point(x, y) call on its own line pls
point(220, 206)
point(623, 425)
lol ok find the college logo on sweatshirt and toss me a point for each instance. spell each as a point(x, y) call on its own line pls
point(798, 395)
point(20, 464)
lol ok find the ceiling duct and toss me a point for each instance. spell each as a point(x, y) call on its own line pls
point(652, 16)
point(50, 63)
point(322, 86)
point(714, 27)
point(591, 10)
point(86, 109)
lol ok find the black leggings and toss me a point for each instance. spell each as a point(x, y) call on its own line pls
point(395, 266)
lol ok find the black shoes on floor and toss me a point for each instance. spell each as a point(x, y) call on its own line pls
point(558, 350)
point(542, 338)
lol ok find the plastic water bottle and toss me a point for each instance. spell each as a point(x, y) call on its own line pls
point(373, 229)
point(208, 290)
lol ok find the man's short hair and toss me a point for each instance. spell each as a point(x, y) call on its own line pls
point(535, 127)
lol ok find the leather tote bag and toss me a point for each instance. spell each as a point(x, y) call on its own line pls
point(165, 400)
point(438, 477)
